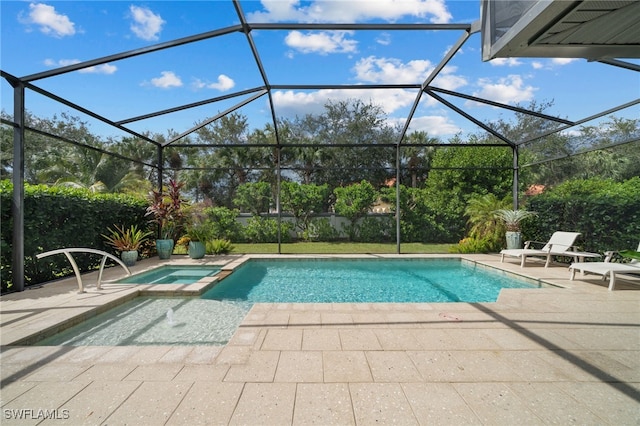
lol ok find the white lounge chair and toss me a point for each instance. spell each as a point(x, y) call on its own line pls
point(560, 244)
point(606, 268)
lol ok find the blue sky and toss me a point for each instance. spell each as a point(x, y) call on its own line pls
point(37, 37)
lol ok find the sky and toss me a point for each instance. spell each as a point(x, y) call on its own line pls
point(42, 36)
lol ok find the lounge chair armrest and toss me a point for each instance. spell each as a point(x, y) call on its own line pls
point(527, 244)
point(608, 255)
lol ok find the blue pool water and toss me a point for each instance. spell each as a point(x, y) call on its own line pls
point(172, 275)
point(363, 280)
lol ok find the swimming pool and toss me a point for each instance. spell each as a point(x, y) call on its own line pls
point(172, 275)
point(213, 318)
point(363, 281)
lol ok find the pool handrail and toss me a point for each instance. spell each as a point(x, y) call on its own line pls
point(67, 252)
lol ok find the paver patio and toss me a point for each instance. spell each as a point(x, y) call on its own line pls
point(536, 356)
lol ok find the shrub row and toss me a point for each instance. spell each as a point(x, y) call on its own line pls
point(56, 217)
point(605, 212)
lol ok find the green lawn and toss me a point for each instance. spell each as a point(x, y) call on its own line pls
point(339, 248)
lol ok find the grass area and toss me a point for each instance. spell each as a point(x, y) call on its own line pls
point(340, 248)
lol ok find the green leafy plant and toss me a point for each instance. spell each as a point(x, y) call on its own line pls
point(513, 218)
point(197, 226)
point(354, 202)
point(126, 239)
point(223, 222)
point(219, 246)
point(631, 254)
point(166, 209)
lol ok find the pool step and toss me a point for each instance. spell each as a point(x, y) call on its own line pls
point(223, 274)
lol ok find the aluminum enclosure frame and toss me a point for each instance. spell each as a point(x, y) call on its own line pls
point(20, 84)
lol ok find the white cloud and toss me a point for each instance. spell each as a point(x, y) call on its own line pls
point(290, 103)
point(384, 39)
point(324, 42)
point(563, 61)
point(376, 71)
point(168, 80)
point(434, 11)
point(551, 64)
point(390, 70)
point(509, 62)
point(98, 69)
point(146, 24)
point(50, 21)
point(507, 90)
point(224, 83)
point(434, 125)
point(447, 79)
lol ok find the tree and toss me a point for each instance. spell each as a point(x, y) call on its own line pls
point(363, 126)
point(354, 202)
point(415, 160)
point(254, 198)
point(460, 172)
point(302, 201)
point(226, 167)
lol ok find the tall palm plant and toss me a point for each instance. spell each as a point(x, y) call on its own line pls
point(483, 223)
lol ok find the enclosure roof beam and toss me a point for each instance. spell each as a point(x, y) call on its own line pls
point(434, 73)
point(622, 64)
point(333, 145)
point(344, 86)
point(584, 120)
point(256, 57)
point(501, 105)
point(583, 151)
point(84, 145)
point(88, 112)
point(470, 118)
point(354, 27)
point(132, 53)
point(215, 117)
point(11, 79)
point(188, 106)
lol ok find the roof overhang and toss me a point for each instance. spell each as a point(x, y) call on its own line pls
point(590, 29)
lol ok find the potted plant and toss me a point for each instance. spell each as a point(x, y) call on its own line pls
point(127, 241)
point(166, 212)
point(198, 233)
point(512, 220)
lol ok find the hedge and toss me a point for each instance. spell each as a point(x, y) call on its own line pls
point(59, 217)
point(605, 212)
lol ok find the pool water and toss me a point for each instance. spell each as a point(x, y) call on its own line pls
point(172, 275)
point(363, 280)
point(144, 321)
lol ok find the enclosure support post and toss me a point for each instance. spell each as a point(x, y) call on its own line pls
point(398, 199)
point(515, 177)
point(160, 164)
point(278, 209)
point(17, 203)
